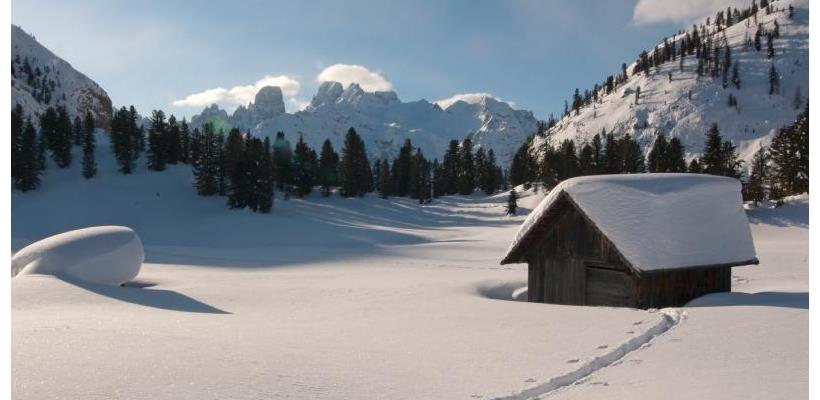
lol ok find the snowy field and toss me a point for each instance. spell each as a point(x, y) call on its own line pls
point(371, 298)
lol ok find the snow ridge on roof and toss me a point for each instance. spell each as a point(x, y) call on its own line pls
point(658, 221)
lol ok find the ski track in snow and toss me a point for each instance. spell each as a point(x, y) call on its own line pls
point(670, 318)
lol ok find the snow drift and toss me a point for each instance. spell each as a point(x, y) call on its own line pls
point(109, 255)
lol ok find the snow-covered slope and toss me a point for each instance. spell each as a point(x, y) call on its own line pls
point(665, 106)
point(52, 82)
point(383, 121)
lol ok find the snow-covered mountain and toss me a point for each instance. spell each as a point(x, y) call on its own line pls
point(686, 106)
point(41, 79)
point(383, 121)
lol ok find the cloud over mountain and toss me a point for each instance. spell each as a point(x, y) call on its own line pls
point(679, 11)
point(347, 74)
point(239, 95)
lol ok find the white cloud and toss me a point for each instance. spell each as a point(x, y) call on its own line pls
point(680, 11)
point(297, 104)
point(239, 95)
point(471, 98)
point(347, 74)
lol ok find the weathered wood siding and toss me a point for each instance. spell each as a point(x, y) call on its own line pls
point(676, 287)
point(574, 263)
point(558, 264)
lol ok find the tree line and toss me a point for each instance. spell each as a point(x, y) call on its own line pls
point(56, 136)
point(244, 168)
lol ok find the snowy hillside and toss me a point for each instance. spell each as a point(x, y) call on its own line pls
point(41, 79)
point(383, 121)
point(666, 106)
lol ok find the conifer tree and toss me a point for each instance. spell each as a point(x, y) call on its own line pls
point(28, 169)
point(633, 160)
point(385, 181)
point(239, 162)
point(694, 167)
point(157, 146)
point(355, 174)
point(173, 141)
point(17, 150)
point(675, 156)
point(88, 141)
point(77, 131)
point(789, 152)
point(567, 161)
point(450, 167)
point(185, 142)
point(466, 168)
point(328, 167)
point(304, 167)
point(712, 157)
point(282, 161)
point(263, 184)
point(402, 170)
point(512, 203)
point(206, 162)
point(520, 166)
point(774, 81)
point(612, 159)
point(759, 175)
point(656, 160)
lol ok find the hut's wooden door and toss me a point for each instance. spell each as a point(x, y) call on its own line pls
point(606, 286)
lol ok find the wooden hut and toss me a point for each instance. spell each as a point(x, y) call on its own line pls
point(643, 240)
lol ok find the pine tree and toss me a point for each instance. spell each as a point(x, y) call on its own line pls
point(239, 163)
point(355, 174)
point(675, 156)
point(756, 189)
point(656, 160)
point(17, 150)
point(77, 131)
point(637, 94)
point(567, 161)
point(694, 167)
point(450, 168)
point(328, 168)
point(173, 141)
point(185, 142)
point(519, 168)
point(612, 160)
point(512, 203)
point(774, 81)
point(304, 167)
point(157, 146)
point(263, 184)
point(789, 152)
point(282, 161)
point(402, 170)
point(385, 181)
point(633, 160)
point(88, 141)
point(206, 162)
point(123, 140)
point(466, 168)
point(28, 177)
point(712, 157)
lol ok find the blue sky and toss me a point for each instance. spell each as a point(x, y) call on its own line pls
point(179, 55)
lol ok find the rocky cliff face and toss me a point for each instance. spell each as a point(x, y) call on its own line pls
point(383, 121)
point(40, 79)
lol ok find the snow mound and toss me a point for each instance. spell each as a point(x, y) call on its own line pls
point(657, 221)
point(109, 255)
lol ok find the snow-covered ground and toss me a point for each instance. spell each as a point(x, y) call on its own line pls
point(371, 298)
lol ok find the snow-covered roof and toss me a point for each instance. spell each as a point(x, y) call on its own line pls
point(656, 221)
